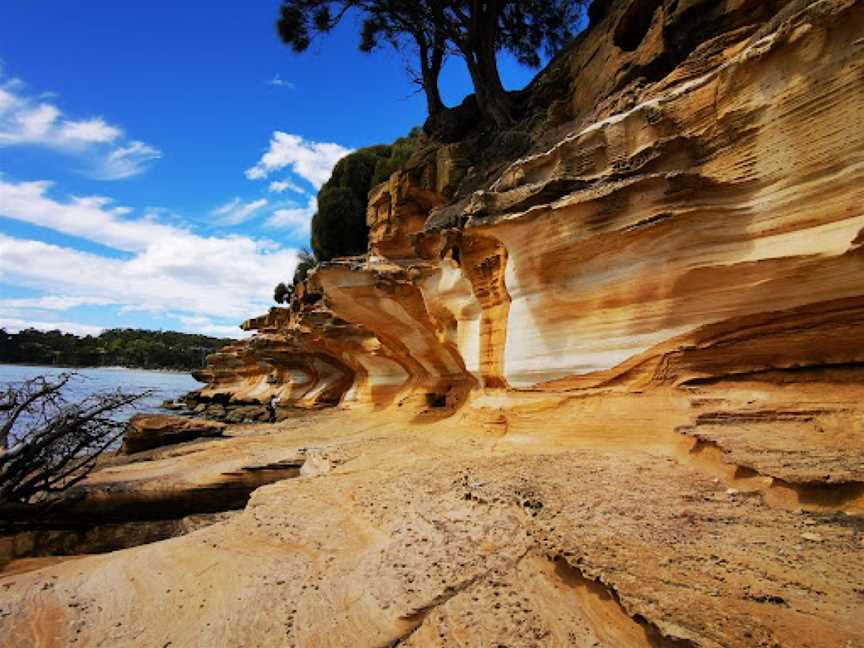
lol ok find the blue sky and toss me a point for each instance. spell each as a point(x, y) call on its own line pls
point(159, 160)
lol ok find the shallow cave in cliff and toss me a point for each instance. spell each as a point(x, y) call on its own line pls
point(635, 23)
point(436, 401)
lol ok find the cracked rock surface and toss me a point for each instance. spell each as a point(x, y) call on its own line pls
point(576, 527)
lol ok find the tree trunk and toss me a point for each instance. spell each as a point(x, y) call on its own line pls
point(431, 72)
point(498, 105)
point(482, 60)
point(431, 61)
point(492, 98)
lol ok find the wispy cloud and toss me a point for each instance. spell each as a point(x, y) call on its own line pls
point(29, 120)
point(312, 161)
point(126, 161)
point(207, 326)
point(236, 211)
point(13, 325)
point(296, 219)
point(52, 302)
point(90, 130)
point(279, 82)
point(279, 186)
point(94, 217)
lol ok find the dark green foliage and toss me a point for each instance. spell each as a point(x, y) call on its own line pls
point(114, 347)
point(307, 262)
point(528, 27)
point(431, 29)
point(282, 293)
point(339, 227)
point(400, 152)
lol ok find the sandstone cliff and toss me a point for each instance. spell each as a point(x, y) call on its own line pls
point(609, 393)
point(724, 196)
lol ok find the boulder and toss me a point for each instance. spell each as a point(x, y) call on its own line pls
point(146, 431)
point(246, 413)
point(215, 411)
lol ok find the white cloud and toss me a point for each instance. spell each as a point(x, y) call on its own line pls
point(52, 302)
point(297, 219)
point(92, 218)
point(7, 100)
point(279, 186)
point(279, 82)
point(126, 161)
point(207, 326)
point(12, 325)
point(91, 130)
point(312, 161)
point(30, 120)
point(170, 269)
point(24, 120)
point(30, 124)
point(236, 211)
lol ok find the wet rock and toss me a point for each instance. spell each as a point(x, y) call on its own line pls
point(215, 411)
point(248, 413)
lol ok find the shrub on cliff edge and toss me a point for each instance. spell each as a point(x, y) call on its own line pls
point(339, 227)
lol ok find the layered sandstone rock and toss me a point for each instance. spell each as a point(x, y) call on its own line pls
point(151, 494)
point(148, 431)
point(720, 187)
point(570, 522)
point(608, 393)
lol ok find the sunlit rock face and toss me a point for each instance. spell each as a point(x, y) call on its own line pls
point(694, 179)
point(282, 361)
point(727, 190)
point(398, 209)
point(605, 392)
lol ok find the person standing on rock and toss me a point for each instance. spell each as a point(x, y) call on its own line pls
point(271, 407)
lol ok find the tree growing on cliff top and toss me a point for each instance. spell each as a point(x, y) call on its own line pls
point(398, 23)
point(475, 30)
point(47, 443)
point(283, 292)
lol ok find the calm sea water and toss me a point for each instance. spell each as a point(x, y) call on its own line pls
point(89, 381)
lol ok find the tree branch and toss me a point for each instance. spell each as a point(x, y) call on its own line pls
point(30, 398)
point(63, 448)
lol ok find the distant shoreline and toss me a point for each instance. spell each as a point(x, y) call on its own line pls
point(109, 367)
point(128, 348)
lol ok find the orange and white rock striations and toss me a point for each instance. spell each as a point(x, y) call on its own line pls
point(735, 192)
point(607, 394)
point(732, 186)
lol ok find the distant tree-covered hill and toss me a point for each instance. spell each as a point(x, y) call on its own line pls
point(111, 348)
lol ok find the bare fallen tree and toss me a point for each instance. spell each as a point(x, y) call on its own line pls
point(47, 443)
